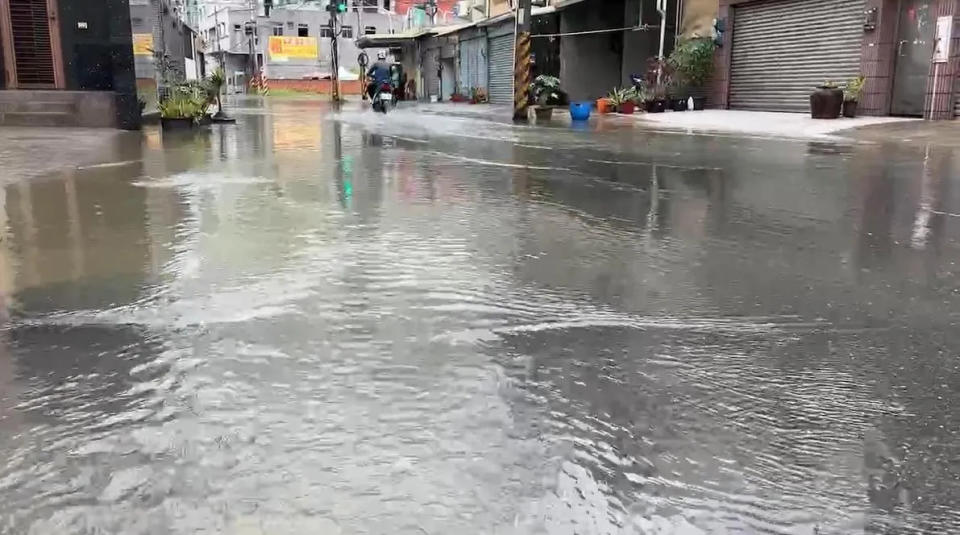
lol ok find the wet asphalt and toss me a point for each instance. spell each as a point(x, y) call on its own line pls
point(331, 321)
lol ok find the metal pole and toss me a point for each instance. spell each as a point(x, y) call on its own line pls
point(334, 59)
point(521, 61)
point(662, 9)
point(223, 65)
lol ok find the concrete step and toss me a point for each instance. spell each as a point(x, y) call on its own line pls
point(37, 106)
point(40, 96)
point(38, 118)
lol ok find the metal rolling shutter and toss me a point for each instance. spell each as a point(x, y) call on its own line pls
point(473, 65)
point(501, 69)
point(783, 49)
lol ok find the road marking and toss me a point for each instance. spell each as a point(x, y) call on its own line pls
point(651, 164)
point(501, 164)
point(106, 165)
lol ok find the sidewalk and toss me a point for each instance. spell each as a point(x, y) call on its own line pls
point(753, 123)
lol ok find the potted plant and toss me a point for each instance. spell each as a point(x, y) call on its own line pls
point(184, 107)
point(677, 95)
point(826, 101)
point(657, 81)
point(605, 105)
point(622, 100)
point(692, 61)
point(478, 95)
point(545, 91)
point(215, 84)
point(851, 96)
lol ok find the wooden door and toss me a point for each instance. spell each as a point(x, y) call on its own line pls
point(31, 44)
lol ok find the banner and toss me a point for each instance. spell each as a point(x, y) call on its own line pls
point(283, 48)
point(143, 44)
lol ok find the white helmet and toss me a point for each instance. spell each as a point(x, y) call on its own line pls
point(382, 54)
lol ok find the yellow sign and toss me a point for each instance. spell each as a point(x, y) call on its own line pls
point(143, 44)
point(282, 48)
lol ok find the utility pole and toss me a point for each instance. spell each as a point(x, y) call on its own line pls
point(521, 61)
point(220, 55)
point(335, 7)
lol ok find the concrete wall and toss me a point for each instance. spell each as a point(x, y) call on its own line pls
point(497, 7)
point(590, 65)
point(698, 17)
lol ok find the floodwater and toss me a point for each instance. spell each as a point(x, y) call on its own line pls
point(338, 322)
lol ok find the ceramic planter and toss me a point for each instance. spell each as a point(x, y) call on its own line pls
point(177, 123)
point(825, 102)
point(850, 108)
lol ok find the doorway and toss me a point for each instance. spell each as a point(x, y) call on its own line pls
point(447, 79)
point(914, 51)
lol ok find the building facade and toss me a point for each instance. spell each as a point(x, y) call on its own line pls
point(292, 43)
point(776, 51)
point(164, 46)
point(82, 49)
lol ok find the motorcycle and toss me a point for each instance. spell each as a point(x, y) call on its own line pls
point(383, 98)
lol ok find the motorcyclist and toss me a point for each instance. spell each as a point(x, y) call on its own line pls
point(378, 74)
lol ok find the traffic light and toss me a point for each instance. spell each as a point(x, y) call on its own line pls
point(337, 6)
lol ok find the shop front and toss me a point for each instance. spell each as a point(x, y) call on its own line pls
point(775, 52)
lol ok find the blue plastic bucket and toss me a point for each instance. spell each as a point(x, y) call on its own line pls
point(580, 111)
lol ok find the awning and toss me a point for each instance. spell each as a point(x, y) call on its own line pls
point(560, 4)
point(391, 40)
point(454, 28)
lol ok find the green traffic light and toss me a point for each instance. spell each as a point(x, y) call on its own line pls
point(342, 7)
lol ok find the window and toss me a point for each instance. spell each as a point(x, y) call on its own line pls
point(303, 30)
point(290, 24)
point(237, 27)
point(386, 5)
point(278, 29)
point(369, 30)
point(347, 32)
point(326, 32)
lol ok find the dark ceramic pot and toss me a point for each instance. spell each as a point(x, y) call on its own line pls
point(678, 104)
point(655, 106)
point(826, 102)
point(699, 103)
point(850, 108)
point(176, 124)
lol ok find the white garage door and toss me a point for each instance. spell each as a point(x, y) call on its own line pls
point(783, 49)
point(501, 69)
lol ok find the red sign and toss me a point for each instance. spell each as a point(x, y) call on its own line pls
point(443, 6)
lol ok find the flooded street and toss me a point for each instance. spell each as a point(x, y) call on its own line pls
point(328, 322)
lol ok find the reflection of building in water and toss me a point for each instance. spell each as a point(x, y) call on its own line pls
point(78, 239)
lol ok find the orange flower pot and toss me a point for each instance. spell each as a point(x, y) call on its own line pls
point(604, 105)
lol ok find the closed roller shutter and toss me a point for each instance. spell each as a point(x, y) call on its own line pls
point(783, 49)
point(501, 70)
point(473, 65)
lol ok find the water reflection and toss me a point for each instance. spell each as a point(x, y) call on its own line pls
point(319, 321)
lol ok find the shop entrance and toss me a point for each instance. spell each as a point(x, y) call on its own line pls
point(914, 50)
